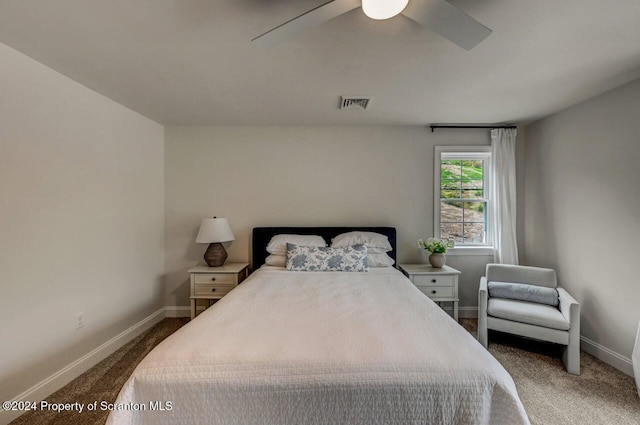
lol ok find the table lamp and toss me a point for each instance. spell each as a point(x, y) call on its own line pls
point(214, 231)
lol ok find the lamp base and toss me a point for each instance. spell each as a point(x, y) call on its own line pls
point(216, 255)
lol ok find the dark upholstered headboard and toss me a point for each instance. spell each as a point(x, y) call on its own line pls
point(262, 236)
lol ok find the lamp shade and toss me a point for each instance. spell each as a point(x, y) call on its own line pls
point(383, 9)
point(214, 230)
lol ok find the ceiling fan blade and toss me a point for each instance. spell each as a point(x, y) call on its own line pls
point(448, 21)
point(307, 20)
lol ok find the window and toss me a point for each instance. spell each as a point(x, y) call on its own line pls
point(461, 176)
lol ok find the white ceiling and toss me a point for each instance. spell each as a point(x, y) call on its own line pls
point(190, 62)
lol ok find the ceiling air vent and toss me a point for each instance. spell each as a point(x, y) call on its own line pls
point(354, 102)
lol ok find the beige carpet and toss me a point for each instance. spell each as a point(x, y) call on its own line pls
point(103, 381)
point(601, 395)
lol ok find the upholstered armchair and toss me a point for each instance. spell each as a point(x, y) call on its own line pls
point(520, 309)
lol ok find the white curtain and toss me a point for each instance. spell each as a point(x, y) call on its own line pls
point(503, 195)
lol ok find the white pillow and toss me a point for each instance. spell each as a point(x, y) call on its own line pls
point(276, 260)
point(374, 250)
point(371, 239)
point(278, 243)
point(380, 260)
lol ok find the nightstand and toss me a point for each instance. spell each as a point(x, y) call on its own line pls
point(213, 283)
point(441, 285)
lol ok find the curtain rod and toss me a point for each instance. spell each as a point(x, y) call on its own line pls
point(434, 126)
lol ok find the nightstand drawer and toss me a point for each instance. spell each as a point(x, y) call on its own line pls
point(204, 289)
point(213, 283)
point(439, 284)
point(432, 280)
point(438, 291)
point(216, 278)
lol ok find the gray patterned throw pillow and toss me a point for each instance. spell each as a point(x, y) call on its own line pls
point(327, 259)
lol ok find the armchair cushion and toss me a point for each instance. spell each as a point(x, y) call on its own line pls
point(522, 292)
point(527, 312)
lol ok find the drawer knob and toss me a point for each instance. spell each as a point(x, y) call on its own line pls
point(433, 292)
point(433, 280)
point(213, 289)
point(213, 279)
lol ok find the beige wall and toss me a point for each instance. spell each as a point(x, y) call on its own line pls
point(81, 220)
point(583, 210)
point(268, 176)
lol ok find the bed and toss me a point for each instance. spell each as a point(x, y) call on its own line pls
point(320, 348)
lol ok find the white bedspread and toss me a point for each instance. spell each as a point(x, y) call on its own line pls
point(322, 348)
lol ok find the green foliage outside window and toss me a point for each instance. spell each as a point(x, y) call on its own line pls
point(461, 179)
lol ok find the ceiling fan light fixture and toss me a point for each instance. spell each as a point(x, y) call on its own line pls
point(383, 9)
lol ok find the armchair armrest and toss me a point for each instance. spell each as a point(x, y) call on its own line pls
point(483, 296)
point(569, 307)
point(483, 293)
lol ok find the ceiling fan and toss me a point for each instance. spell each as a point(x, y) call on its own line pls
point(438, 15)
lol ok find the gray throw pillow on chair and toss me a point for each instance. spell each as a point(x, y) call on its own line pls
point(522, 292)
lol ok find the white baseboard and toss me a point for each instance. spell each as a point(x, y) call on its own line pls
point(607, 355)
point(177, 311)
point(48, 386)
point(463, 312)
point(468, 312)
point(181, 311)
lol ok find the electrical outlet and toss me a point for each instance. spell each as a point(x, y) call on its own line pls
point(79, 320)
